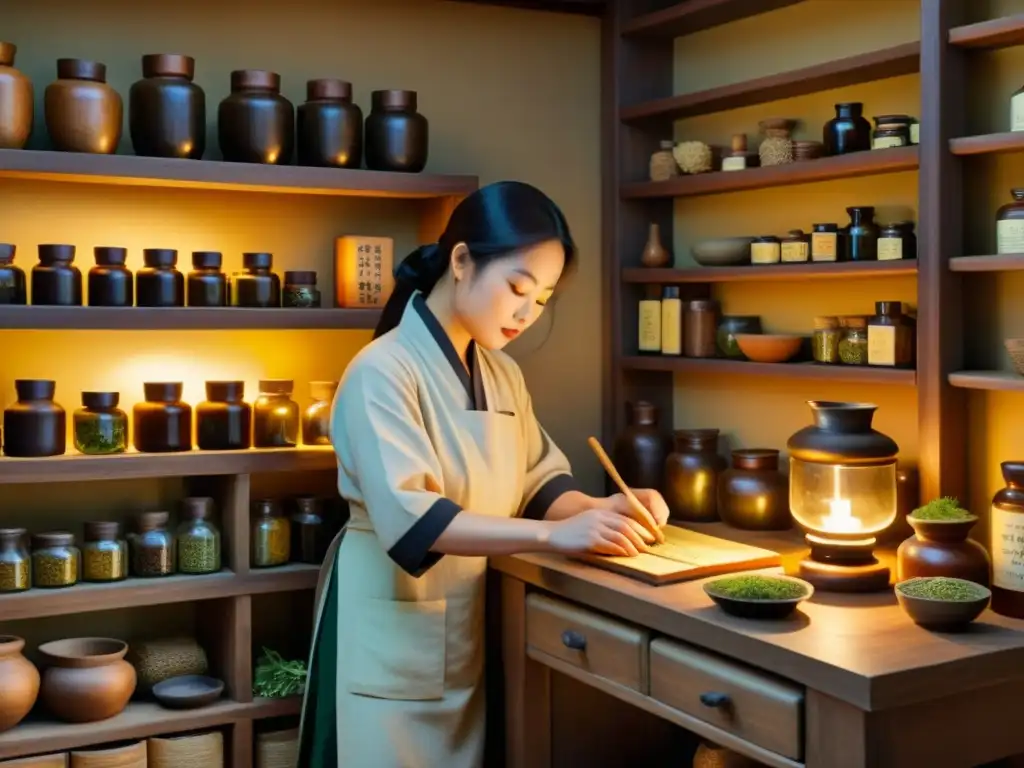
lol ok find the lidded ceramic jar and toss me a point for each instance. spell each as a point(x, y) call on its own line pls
point(13, 288)
point(110, 282)
point(691, 476)
point(16, 101)
point(329, 126)
point(86, 678)
point(166, 110)
point(34, 426)
point(206, 285)
point(641, 448)
point(275, 416)
point(397, 136)
point(163, 423)
point(83, 113)
point(1010, 224)
point(257, 285)
point(159, 283)
point(56, 281)
point(255, 123)
point(224, 420)
point(753, 495)
point(19, 680)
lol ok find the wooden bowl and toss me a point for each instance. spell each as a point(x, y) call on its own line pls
point(942, 615)
point(751, 608)
point(768, 347)
point(188, 691)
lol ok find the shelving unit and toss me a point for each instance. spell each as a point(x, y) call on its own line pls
point(184, 318)
point(859, 374)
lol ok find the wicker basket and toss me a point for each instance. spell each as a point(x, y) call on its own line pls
point(131, 756)
point(41, 761)
point(1016, 349)
point(159, 660)
point(200, 750)
point(278, 749)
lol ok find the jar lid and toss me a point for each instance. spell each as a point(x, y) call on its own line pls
point(276, 386)
point(168, 65)
point(207, 259)
point(225, 391)
point(257, 260)
point(794, 234)
point(894, 120)
point(865, 210)
point(889, 307)
point(394, 99)
point(81, 69)
point(826, 227)
point(697, 437)
point(702, 305)
point(322, 390)
point(197, 507)
point(53, 539)
point(671, 292)
point(328, 89)
point(150, 521)
point(255, 80)
point(826, 321)
point(307, 505)
point(162, 391)
point(35, 389)
point(110, 255)
point(266, 508)
point(100, 401)
point(905, 225)
point(7, 251)
point(101, 530)
point(159, 257)
point(644, 412)
point(766, 239)
point(853, 321)
point(56, 254)
point(756, 458)
point(12, 533)
point(7, 53)
point(301, 277)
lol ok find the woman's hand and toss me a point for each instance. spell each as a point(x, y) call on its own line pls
point(598, 531)
point(655, 506)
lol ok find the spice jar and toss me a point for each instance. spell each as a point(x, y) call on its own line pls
point(206, 285)
point(110, 282)
point(152, 546)
point(891, 131)
point(256, 285)
point(100, 427)
point(104, 552)
point(662, 166)
point(56, 281)
point(828, 243)
point(671, 321)
point(777, 147)
point(1009, 225)
point(825, 341)
point(270, 535)
point(163, 423)
point(34, 426)
point(1006, 515)
point(862, 234)
point(300, 290)
point(890, 242)
point(765, 250)
point(275, 415)
point(796, 247)
point(224, 421)
point(890, 336)
point(316, 419)
point(198, 537)
point(12, 278)
point(649, 321)
point(15, 561)
point(701, 328)
point(691, 476)
point(166, 109)
point(54, 560)
point(159, 284)
point(309, 536)
point(853, 343)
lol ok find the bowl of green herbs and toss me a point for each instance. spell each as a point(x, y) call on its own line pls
point(942, 603)
point(758, 596)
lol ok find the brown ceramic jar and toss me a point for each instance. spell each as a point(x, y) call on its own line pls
point(34, 425)
point(255, 123)
point(19, 681)
point(640, 449)
point(86, 679)
point(163, 423)
point(1006, 520)
point(166, 110)
point(83, 113)
point(329, 126)
point(753, 495)
point(691, 476)
point(397, 136)
point(941, 548)
point(16, 101)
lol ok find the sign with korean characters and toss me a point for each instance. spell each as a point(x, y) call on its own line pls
point(363, 271)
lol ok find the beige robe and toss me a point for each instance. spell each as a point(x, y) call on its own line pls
point(418, 439)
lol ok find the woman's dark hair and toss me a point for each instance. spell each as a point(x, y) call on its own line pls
point(493, 222)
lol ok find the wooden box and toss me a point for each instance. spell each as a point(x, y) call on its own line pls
point(363, 271)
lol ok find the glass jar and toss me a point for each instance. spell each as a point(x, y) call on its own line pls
point(796, 247)
point(104, 552)
point(891, 131)
point(828, 243)
point(853, 343)
point(275, 416)
point(316, 419)
point(152, 546)
point(691, 476)
point(257, 285)
point(701, 328)
point(825, 341)
point(100, 427)
point(198, 537)
point(861, 234)
point(56, 281)
point(1006, 516)
point(890, 336)
point(159, 284)
point(54, 560)
point(765, 250)
point(163, 423)
point(255, 123)
point(890, 243)
point(270, 535)
point(12, 278)
point(110, 282)
point(35, 426)
point(309, 535)
point(15, 561)
point(1009, 225)
point(207, 285)
point(300, 290)
point(224, 421)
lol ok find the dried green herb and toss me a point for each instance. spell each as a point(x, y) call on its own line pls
point(101, 436)
point(277, 678)
point(755, 587)
point(853, 351)
point(941, 588)
point(946, 508)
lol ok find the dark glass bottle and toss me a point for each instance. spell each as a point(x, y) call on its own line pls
point(316, 419)
point(12, 278)
point(256, 285)
point(275, 416)
point(397, 136)
point(100, 427)
point(691, 476)
point(56, 281)
point(224, 421)
point(310, 538)
point(163, 423)
point(329, 127)
point(110, 281)
point(159, 284)
point(862, 234)
point(752, 494)
point(1010, 224)
point(35, 425)
point(207, 285)
point(849, 131)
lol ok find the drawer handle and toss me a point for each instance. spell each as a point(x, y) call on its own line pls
point(574, 640)
point(715, 700)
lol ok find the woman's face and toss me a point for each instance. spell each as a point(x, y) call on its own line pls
point(497, 303)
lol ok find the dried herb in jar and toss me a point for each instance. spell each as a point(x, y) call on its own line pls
point(55, 560)
point(15, 561)
point(825, 341)
point(152, 546)
point(271, 535)
point(104, 553)
point(198, 538)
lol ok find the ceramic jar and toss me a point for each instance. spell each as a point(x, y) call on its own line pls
point(255, 123)
point(55, 280)
point(166, 110)
point(224, 420)
point(16, 101)
point(942, 548)
point(397, 136)
point(691, 476)
point(753, 495)
point(19, 680)
point(83, 113)
point(159, 283)
point(654, 254)
point(163, 423)
point(316, 419)
point(849, 131)
point(110, 283)
point(34, 426)
point(1006, 523)
point(13, 289)
point(86, 679)
point(640, 450)
point(207, 285)
point(728, 327)
point(329, 127)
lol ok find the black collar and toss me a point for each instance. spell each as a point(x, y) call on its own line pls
point(471, 379)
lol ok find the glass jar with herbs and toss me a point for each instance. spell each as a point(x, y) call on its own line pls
point(300, 290)
point(104, 552)
point(270, 535)
point(99, 426)
point(55, 560)
point(152, 546)
point(316, 419)
point(890, 336)
point(853, 344)
point(15, 561)
point(310, 537)
point(275, 415)
point(825, 341)
point(198, 537)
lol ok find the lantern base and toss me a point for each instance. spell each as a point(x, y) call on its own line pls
point(833, 577)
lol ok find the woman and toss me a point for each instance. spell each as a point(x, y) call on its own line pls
point(443, 463)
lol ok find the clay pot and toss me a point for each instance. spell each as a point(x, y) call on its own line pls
point(19, 681)
point(83, 113)
point(16, 107)
point(166, 110)
point(753, 495)
point(87, 678)
point(255, 123)
point(397, 136)
point(941, 548)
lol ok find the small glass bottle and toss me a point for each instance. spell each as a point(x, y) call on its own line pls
point(828, 243)
point(198, 537)
point(12, 278)
point(163, 423)
point(256, 285)
point(671, 321)
point(1010, 224)
point(300, 290)
point(159, 283)
point(270, 535)
point(110, 282)
point(1006, 523)
point(796, 247)
point(207, 285)
point(316, 419)
point(275, 416)
point(152, 546)
point(649, 321)
point(890, 337)
point(34, 425)
point(849, 131)
point(309, 536)
point(15, 561)
point(224, 420)
point(99, 427)
point(853, 344)
point(104, 552)
point(56, 281)
point(55, 560)
point(700, 337)
point(862, 234)
point(765, 250)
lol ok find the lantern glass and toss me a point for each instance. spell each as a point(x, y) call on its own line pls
point(842, 499)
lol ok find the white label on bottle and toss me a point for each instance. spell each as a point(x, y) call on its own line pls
point(890, 248)
point(884, 142)
point(1017, 112)
point(735, 163)
point(1010, 236)
point(795, 251)
point(881, 345)
point(823, 246)
point(1007, 549)
point(650, 325)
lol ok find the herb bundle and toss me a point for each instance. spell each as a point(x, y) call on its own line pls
point(277, 677)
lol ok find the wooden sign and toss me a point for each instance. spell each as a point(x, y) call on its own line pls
point(363, 271)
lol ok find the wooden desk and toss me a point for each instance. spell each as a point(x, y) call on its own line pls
point(850, 682)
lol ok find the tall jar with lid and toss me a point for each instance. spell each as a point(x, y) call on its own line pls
point(397, 136)
point(691, 476)
point(110, 282)
point(163, 423)
point(159, 283)
point(56, 281)
point(55, 560)
point(206, 285)
point(862, 234)
point(701, 328)
point(329, 126)
point(853, 342)
point(35, 426)
point(255, 123)
point(99, 426)
point(316, 419)
point(152, 546)
point(12, 278)
point(224, 420)
point(15, 561)
point(166, 110)
point(1010, 224)
point(310, 537)
point(104, 552)
point(270, 535)
point(890, 336)
point(198, 537)
point(256, 285)
point(275, 416)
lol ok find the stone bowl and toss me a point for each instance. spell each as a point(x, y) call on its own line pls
point(942, 615)
point(722, 251)
point(754, 608)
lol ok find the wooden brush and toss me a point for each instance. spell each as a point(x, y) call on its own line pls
point(639, 511)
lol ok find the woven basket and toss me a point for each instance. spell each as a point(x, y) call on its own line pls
point(159, 660)
point(202, 750)
point(1016, 349)
point(131, 756)
point(278, 749)
point(42, 761)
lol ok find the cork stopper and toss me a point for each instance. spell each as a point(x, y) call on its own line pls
point(826, 322)
point(739, 143)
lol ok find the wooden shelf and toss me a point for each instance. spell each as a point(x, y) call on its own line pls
point(583, 7)
point(183, 318)
point(138, 721)
point(237, 177)
point(877, 65)
point(988, 144)
point(854, 374)
point(1003, 262)
point(74, 467)
point(780, 273)
point(866, 163)
point(691, 16)
point(992, 34)
point(998, 381)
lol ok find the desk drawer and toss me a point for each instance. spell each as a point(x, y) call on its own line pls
point(755, 706)
point(605, 647)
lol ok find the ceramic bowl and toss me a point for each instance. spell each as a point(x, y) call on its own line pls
point(942, 615)
point(758, 609)
point(722, 251)
point(188, 691)
point(768, 347)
